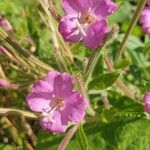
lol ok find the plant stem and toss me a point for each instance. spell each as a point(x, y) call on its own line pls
point(62, 54)
point(131, 27)
point(4, 111)
point(68, 137)
point(81, 86)
point(7, 125)
point(92, 61)
point(26, 54)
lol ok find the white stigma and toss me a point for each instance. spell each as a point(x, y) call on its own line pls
point(80, 27)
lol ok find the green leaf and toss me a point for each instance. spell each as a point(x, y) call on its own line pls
point(81, 136)
point(122, 14)
point(104, 81)
point(123, 63)
point(51, 141)
point(6, 147)
point(135, 136)
point(99, 67)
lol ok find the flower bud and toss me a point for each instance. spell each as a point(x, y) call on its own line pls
point(3, 84)
point(147, 102)
point(5, 24)
point(2, 49)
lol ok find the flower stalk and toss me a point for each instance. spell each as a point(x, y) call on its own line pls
point(83, 90)
point(68, 137)
point(26, 54)
point(62, 51)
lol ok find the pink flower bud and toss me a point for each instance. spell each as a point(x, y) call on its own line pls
point(145, 19)
point(3, 84)
point(4, 23)
point(2, 49)
point(147, 102)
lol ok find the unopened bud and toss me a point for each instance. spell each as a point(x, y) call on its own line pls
point(2, 49)
point(115, 31)
point(5, 24)
point(4, 84)
point(147, 102)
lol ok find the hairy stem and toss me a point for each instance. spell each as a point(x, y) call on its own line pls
point(7, 125)
point(26, 54)
point(68, 137)
point(83, 90)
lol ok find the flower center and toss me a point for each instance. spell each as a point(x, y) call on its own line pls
point(55, 104)
point(84, 20)
point(87, 17)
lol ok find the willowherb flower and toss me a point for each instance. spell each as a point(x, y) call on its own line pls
point(57, 102)
point(145, 18)
point(147, 102)
point(5, 24)
point(85, 21)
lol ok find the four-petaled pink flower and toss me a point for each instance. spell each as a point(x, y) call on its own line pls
point(85, 21)
point(145, 18)
point(147, 102)
point(5, 24)
point(58, 103)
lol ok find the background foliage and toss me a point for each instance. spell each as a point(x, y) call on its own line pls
point(123, 127)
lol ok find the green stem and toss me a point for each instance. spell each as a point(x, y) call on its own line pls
point(9, 127)
point(131, 27)
point(83, 90)
point(68, 137)
point(26, 54)
point(93, 60)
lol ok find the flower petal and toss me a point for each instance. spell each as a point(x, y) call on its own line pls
point(68, 28)
point(63, 85)
point(58, 125)
point(96, 34)
point(75, 107)
point(50, 77)
point(38, 102)
point(75, 6)
point(42, 86)
point(103, 8)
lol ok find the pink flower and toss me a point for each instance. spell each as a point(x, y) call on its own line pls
point(4, 23)
point(145, 19)
point(57, 102)
point(147, 102)
point(85, 21)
